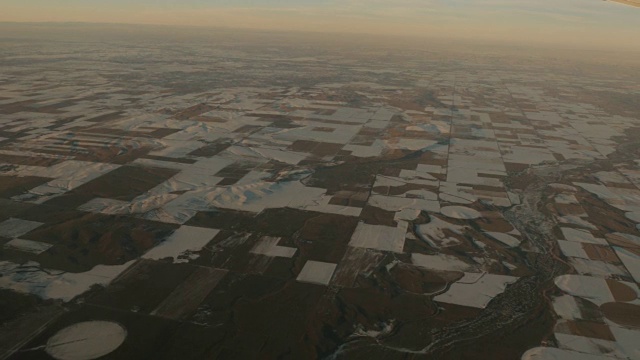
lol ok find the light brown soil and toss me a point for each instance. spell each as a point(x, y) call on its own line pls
point(590, 329)
point(620, 291)
point(622, 313)
point(602, 253)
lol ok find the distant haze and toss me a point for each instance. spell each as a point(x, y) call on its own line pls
point(571, 23)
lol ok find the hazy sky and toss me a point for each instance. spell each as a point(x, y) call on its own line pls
point(571, 22)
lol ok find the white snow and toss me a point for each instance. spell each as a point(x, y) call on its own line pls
point(566, 307)
point(597, 268)
point(66, 176)
point(268, 246)
point(30, 246)
point(288, 157)
point(566, 199)
point(504, 238)
point(410, 144)
point(591, 288)
point(572, 249)
point(54, 284)
point(86, 340)
point(627, 238)
point(562, 187)
point(372, 150)
point(182, 243)
point(13, 227)
point(633, 216)
point(433, 232)
point(528, 155)
point(407, 214)
point(456, 194)
point(396, 203)
point(316, 272)
point(587, 345)
point(139, 205)
point(584, 236)
point(475, 290)
point(380, 237)
point(621, 198)
point(577, 220)
point(460, 212)
point(441, 262)
point(630, 260)
point(253, 197)
point(627, 340)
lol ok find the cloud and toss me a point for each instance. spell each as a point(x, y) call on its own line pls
point(570, 21)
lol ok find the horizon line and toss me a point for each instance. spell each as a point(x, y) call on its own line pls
point(441, 38)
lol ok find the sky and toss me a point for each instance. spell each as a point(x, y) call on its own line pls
point(570, 23)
